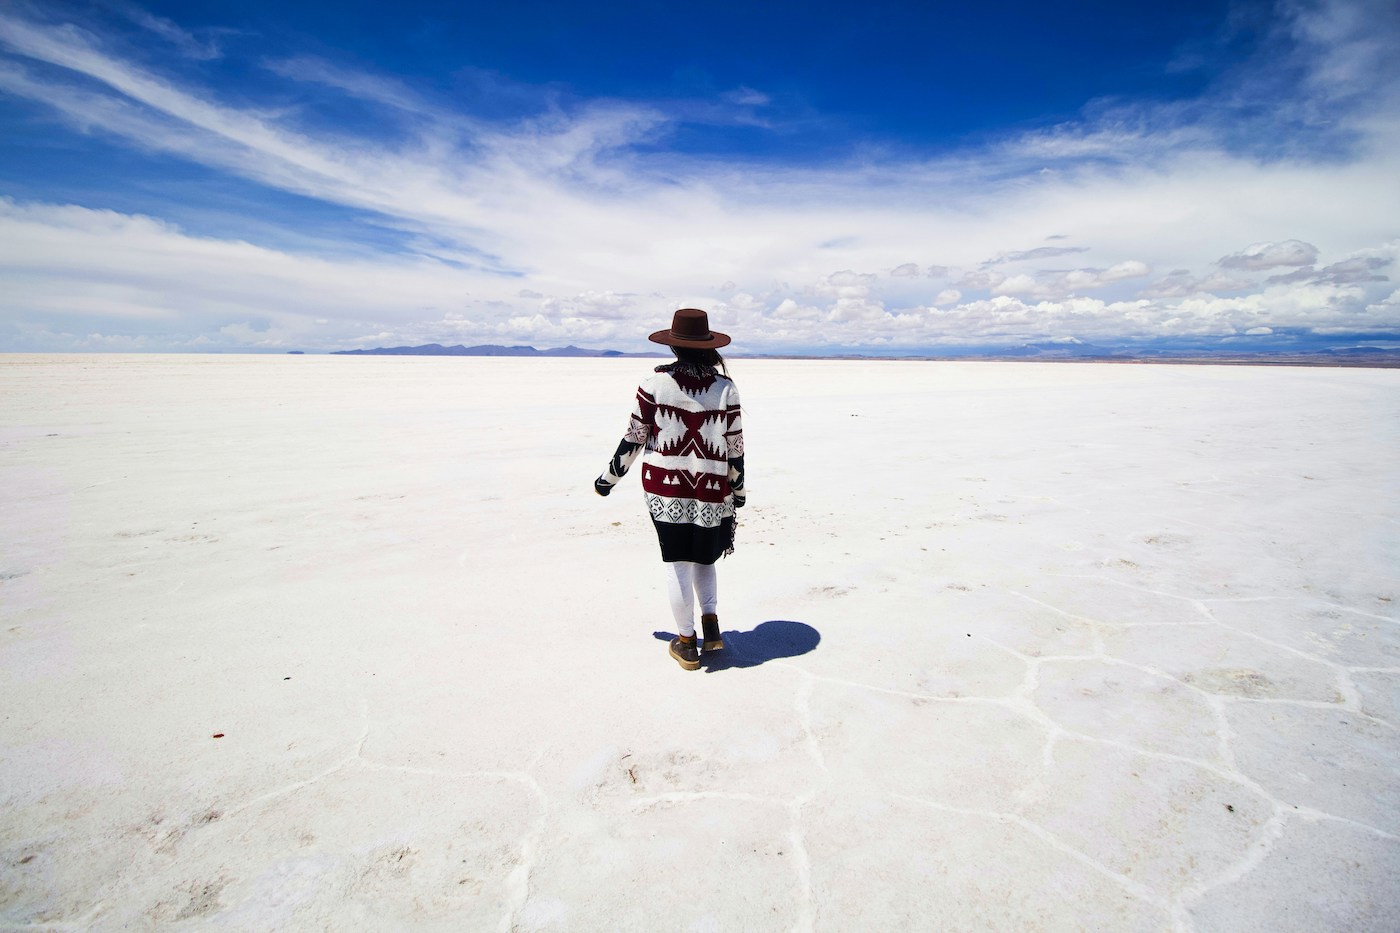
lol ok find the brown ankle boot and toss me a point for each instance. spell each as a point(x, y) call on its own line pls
point(684, 650)
point(709, 622)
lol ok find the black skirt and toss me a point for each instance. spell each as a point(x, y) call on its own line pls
point(682, 541)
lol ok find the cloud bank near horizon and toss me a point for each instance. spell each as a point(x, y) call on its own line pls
point(1267, 202)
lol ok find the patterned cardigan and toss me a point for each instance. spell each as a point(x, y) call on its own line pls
point(687, 418)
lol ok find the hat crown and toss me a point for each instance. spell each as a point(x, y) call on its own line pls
point(690, 324)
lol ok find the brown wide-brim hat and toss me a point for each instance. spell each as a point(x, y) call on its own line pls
point(690, 328)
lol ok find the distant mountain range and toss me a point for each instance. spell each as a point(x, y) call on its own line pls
point(489, 349)
point(1202, 351)
point(1279, 348)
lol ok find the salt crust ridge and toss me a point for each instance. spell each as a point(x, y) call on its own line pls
point(1019, 703)
point(1176, 906)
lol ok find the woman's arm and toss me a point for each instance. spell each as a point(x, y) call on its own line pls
point(618, 466)
point(734, 436)
point(639, 428)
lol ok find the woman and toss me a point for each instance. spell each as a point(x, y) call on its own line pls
point(686, 415)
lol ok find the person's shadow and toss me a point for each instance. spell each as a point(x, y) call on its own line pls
point(769, 641)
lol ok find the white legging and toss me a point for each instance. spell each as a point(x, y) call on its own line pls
point(684, 581)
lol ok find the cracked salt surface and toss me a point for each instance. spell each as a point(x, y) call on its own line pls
point(1157, 692)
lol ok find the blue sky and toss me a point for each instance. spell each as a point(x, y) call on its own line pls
point(875, 176)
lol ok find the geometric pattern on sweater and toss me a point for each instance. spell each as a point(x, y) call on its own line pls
point(705, 487)
point(687, 425)
point(687, 511)
point(681, 433)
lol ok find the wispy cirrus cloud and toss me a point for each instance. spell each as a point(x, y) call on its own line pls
point(188, 44)
point(1040, 252)
point(310, 69)
point(1359, 270)
point(569, 220)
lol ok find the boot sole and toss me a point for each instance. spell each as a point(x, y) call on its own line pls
point(712, 646)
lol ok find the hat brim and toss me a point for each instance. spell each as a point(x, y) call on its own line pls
point(666, 338)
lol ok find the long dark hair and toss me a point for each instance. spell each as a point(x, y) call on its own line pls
point(707, 356)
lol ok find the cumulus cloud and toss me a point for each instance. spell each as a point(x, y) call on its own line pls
point(604, 305)
point(562, 223)
point(1387, 307)
point(1016, 284)
point(844, 285)
point(856, 310)
point(1064, 283)
point(981, 279)
point(846, 278)
point(1127, 269)
point(1260, 256)
point(790, 310)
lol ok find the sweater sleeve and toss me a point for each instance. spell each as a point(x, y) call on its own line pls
point(734, 436)
point(639, 428)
